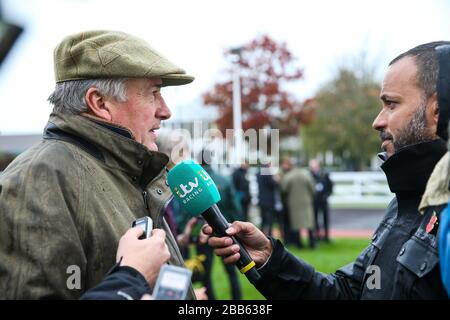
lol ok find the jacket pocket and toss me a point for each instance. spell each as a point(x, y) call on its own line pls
point(416, 259)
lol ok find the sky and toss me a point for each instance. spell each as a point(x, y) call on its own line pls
point(194, 33)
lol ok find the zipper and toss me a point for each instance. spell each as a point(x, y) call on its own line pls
point(144, 195)
point(161, 212)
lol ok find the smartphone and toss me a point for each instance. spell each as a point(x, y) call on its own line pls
point(146, 223)
point(172, 284)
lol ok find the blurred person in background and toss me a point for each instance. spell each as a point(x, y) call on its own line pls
point(324, 188)
point(298, 189)
point(402, 260)
point(175, 145)
point(289, 236)
point(267, 186)
point(230, 208)
point(67, 200)
point(242, 187)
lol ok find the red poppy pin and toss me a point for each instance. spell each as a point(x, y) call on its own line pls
point(432, 222)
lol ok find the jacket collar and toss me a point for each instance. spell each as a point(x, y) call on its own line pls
point(109, 143)
point(408, 170)
point(437, 191)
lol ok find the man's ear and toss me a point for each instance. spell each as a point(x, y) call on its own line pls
point(97, 105)
point(435, 107)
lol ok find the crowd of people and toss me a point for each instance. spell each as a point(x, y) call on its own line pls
point(295, 198)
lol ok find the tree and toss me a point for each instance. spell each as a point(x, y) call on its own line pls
point(347, 106)
point(265, 67)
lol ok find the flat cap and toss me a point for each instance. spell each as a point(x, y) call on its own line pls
point(112, 54)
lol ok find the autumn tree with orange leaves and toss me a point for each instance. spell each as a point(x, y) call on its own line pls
point(265, 67)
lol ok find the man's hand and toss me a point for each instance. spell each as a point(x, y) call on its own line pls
point(147, 255)
point(257, 244)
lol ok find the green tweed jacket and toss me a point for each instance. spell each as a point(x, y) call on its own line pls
point(65, 203)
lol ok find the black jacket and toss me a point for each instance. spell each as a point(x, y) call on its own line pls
point(403, 251)
point(266, 191)
point(121, 283)
point(241, 184)
point(324, 187)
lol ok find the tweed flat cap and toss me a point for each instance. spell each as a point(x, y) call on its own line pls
point(113, 54)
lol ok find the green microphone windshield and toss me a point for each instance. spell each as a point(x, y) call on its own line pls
point(193, 187)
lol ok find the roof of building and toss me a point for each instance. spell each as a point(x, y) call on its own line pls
point(15, 144)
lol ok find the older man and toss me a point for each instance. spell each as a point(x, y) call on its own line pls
point(65, 203)
point(402, 261)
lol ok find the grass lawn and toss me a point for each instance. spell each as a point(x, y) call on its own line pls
point(326, 258)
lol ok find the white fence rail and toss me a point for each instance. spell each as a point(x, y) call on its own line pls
point(359, 189)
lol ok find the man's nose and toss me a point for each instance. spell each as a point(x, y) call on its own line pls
point(380, 121)
point(163, 111)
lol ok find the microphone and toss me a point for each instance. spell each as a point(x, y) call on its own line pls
point(197, 194)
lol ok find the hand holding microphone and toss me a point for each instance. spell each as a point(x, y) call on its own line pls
point(198, 195)
point(255, 242)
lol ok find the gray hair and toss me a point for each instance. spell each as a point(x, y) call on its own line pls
point(69, 96)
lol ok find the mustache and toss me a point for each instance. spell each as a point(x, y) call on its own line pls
point(386, 136)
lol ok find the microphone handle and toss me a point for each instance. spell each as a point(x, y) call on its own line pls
point(219, 224)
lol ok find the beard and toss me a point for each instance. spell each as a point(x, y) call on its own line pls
point(416, 131)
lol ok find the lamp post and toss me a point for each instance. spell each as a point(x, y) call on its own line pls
point(237, 110)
